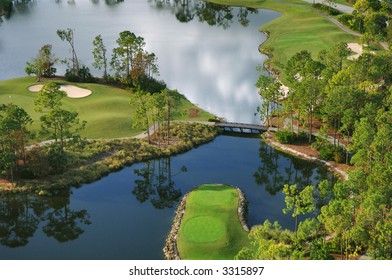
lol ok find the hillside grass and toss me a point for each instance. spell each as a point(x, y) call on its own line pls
point(107, 110)
point(299, 28)
point(210, 228)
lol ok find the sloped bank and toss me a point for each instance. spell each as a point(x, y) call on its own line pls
point(171, 251)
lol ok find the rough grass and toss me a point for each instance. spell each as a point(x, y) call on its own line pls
point(107, 111)
point(210, 228)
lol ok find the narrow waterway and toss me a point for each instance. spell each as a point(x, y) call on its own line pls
point(128, 214)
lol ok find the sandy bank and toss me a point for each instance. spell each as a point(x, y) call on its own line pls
point(71, 91)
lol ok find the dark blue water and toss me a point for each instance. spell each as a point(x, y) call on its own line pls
point(128, 216)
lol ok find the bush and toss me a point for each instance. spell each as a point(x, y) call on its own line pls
point(151, 85)
point(83, 75)
point(325, 8)
point(286, 136)
point(330, 152)
point(303, 136)
point(346, 19)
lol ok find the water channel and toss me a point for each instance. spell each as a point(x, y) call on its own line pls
point(127, 215)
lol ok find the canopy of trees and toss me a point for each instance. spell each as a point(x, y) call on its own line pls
point(352, 97)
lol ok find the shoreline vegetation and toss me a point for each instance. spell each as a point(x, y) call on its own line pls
point(94, 159)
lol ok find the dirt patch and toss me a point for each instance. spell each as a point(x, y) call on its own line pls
point(357, 48)
point(193, 113)
point(71, 91)
point(306, 152)
point(6, 185)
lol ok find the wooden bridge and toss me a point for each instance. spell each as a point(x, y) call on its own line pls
point(241, 127)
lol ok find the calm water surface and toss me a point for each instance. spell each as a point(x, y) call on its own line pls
point(127, 215)
point(209, 59)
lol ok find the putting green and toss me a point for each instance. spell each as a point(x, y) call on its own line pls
point(209, 229)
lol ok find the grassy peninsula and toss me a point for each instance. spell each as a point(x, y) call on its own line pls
point(210, 228)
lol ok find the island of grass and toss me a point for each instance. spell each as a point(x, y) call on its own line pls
point(209, 224)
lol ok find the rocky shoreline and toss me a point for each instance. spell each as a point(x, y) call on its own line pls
point(171, 250)
point(335, 169)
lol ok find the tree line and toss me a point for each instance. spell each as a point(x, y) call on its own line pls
point(352, 97)
point(57, 123)
point(133, 67)
point(372, 19)
point(131, 63)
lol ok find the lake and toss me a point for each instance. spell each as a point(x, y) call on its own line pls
point(210, 54)
point(210, 59)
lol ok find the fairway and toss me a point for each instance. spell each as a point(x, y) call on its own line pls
point(299, 28)
point(210, 228)
point(108, 111)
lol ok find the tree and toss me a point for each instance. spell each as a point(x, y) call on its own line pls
point(376, 23)
point(304, 74)
point(13, 137)
point(68, 35)
point(49, 97)
point(124, 55)
point(270, 92)
point(144, 103)
point(99, 53)
point(333, 59)
point(171, 102)
point(59, 123)
point(42, 64)
point(269, 242)
point(298, 201)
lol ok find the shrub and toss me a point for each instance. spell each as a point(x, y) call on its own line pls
point(331, 152)
point(286, 136)
point(83, 75)
point(346, 20)
point(325, 8)
point(327, 152)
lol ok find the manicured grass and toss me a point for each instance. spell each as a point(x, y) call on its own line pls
point(299, 28)
point(210, 228)
point(107, 111)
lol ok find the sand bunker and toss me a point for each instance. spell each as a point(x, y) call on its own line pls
point(357, 48)
point(71, 91)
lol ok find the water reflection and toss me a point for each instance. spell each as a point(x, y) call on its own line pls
point(211, 13)
point(19, 219)
point(276, 170)
point(63, 223)
point(213, 67)
point(155, 183)
point(22, 214)
point(9, 7)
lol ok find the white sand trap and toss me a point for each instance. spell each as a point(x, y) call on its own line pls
point(71, 91)
point(357, 48)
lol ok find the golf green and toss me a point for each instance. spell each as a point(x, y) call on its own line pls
point(210, 227)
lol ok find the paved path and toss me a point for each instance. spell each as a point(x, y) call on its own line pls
point(343, 8)
point(330, 18)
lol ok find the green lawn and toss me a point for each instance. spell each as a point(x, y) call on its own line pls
point(210, 228)
point(299, 28)
point(107, 111)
